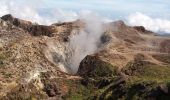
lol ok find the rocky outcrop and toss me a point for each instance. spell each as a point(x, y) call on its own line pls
point(92, 66)
point(17, 22)
point(33, 29)
point(143, 30)
point(38, 30)
point(140, 28)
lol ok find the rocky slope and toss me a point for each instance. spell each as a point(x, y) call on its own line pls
point(132, 63)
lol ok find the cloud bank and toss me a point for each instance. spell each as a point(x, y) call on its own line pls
point(30, 10)
point(153, 24)
point(33, 10)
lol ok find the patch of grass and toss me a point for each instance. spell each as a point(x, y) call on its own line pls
point(160, 74)
point(6, 74)
point(144, 79)
point(104, 70)
point(77, 91)
point(142, 70)
point(3, 57)
point(156, 72)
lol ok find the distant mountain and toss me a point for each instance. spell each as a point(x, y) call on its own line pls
point(165, 34)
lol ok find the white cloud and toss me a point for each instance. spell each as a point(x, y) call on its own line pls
point(21, 11)
point(153, 24)
point(30, 11)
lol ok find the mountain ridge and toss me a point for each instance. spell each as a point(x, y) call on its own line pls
point(130, 62)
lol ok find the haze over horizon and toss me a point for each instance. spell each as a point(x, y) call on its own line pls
point(134, 12)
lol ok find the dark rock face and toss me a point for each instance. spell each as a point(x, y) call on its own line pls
point(140, 28)
point(105, 38)
point(50, 86)
point(28, 26)
point(160, 92)
point(115, 90)
point(38, 30)
point(8, 17)
point(92, 66)
point(17, 22)
point(120, 89)
point(52, 89)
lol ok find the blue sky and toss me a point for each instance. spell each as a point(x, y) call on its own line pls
point(114, 8)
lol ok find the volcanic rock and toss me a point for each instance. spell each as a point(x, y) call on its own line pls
point(92, 66)
point(130, 62)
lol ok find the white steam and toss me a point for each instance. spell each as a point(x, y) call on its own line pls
point(87, 41)
point(153, 24)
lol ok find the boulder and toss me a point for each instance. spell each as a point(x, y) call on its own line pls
point(93, 66)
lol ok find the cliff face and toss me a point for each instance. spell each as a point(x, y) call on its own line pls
point(130, 62)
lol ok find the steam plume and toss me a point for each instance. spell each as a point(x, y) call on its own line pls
point(86, 41)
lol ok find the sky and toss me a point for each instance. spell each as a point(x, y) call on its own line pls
point(115, 8)
point(153, 14)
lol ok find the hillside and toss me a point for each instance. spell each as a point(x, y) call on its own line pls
point(40, 62)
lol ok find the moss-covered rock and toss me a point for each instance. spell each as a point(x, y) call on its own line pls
point(93, 67)
point(146, 81)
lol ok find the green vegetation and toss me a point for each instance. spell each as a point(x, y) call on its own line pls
point(93, 67)
point(77, 91)
point(142, 70)
point(104, 70)
point(2, 58)
point(143, 80)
